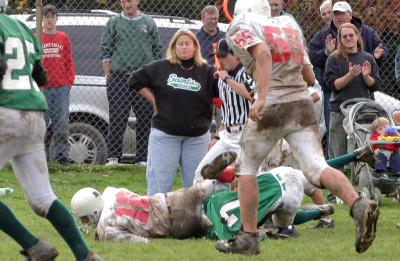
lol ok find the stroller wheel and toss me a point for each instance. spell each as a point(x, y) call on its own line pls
point(378, 197)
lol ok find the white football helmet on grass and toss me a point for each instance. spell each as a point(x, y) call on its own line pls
point(86, 206)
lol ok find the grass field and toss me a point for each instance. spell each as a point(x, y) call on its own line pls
point(336, 244)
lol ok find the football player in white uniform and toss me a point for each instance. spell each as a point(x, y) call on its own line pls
point(273, 52)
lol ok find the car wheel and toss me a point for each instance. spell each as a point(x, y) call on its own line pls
point(86, 144)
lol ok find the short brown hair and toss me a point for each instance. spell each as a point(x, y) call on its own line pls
point(209, 9)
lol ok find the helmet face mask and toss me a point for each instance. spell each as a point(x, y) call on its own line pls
point(86, 206)
point(87, 223)
point(259, 7)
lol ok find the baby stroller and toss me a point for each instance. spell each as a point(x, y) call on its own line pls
point(359, 114)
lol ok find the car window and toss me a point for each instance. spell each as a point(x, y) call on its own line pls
point(86, 48)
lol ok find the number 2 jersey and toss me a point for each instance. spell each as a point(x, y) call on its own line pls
point(280, 191)
point(20, 50)
point(287, 46)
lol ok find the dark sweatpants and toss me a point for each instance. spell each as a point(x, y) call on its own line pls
point(121, 99)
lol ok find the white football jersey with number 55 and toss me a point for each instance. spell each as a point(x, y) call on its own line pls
point(285, 41)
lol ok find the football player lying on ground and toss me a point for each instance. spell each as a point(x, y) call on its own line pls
point(121, 215)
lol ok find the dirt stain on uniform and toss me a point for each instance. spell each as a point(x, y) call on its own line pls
point(7, 133)
point(41, 166)
point(277, 115)
point(24, 115)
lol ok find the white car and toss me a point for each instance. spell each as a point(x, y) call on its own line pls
point(88, 98)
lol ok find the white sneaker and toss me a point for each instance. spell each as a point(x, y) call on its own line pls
point(142, 163)
point(112, 161)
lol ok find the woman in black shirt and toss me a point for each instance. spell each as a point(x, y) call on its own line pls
point(181, 88)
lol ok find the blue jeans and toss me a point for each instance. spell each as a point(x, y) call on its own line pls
point(167, 152)
point(58, 115)
point(381, 162)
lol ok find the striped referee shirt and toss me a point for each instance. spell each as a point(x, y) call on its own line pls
point(235, 108)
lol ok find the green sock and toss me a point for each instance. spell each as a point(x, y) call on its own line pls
point(340, 162)
point(15, 229)
point(303, 216)
point(63, 221)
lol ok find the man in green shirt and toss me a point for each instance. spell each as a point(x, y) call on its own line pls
point(129, 40)
point(22, 131)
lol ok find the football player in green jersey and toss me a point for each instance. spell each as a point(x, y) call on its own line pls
point(22, 131)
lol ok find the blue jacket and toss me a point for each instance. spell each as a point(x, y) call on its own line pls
point(317, 54)
point(206, 42)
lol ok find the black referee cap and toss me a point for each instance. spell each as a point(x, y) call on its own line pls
point(223, 48)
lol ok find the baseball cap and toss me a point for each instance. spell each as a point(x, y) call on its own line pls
point(48, 8)
point(222, 48)
point(341, 6)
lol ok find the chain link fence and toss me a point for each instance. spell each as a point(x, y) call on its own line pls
point(84, 20)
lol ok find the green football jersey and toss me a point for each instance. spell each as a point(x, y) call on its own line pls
point(18, 46)
point(223, 209)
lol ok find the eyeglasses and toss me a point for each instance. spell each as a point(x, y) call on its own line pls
point(212, 19)
point(345, 36)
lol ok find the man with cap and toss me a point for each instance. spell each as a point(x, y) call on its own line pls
point(325, 42)
point(273, 52)
point(57, 59)
point(236, 92)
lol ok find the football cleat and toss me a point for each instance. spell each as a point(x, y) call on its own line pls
point(365, 213)
point(243, 243)
point(214, 169)
point(41, 251)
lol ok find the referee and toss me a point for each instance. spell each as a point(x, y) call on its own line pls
point(236, 90)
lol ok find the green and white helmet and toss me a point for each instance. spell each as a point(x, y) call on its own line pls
point(86, 206)
point(3, 4)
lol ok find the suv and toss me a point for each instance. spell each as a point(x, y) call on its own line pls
point(88, 99)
